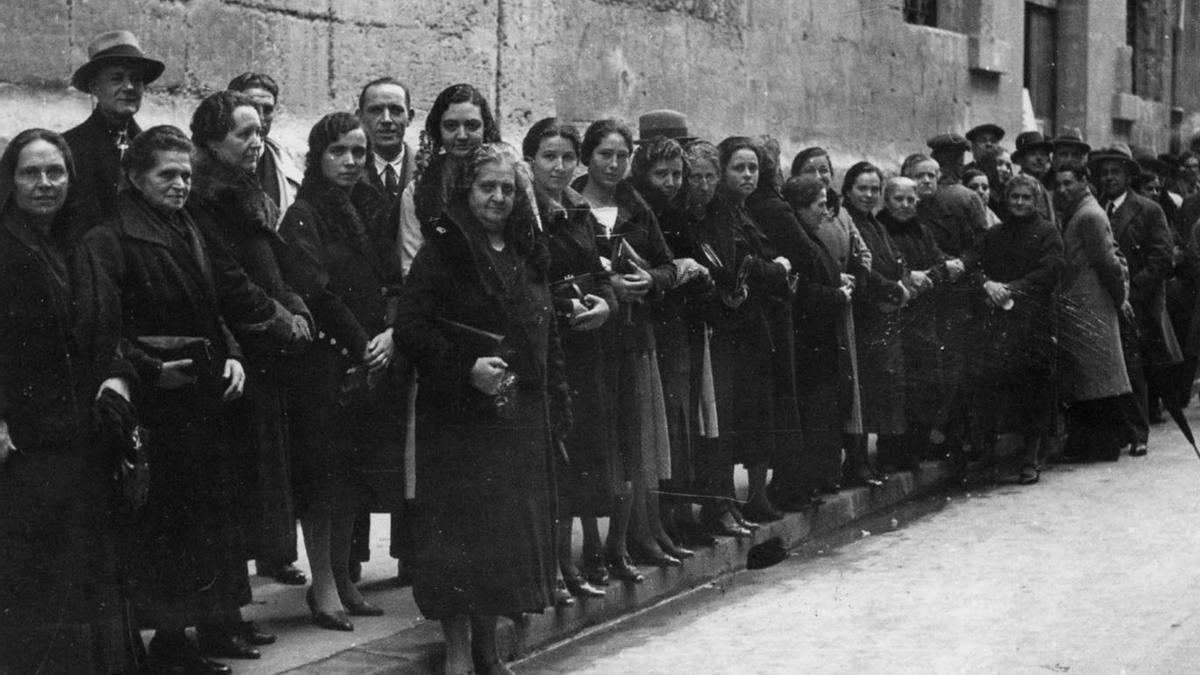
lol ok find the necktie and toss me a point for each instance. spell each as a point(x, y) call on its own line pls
point(1112, 208)
point(122, 142)
point(390, 182)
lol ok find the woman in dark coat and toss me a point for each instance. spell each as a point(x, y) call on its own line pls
point(928, 375)
point(476, 316)
point(881, 294)
point(641, 417)
point(583, 302)
point(823, 345)
point(789, 487)
point(61, 587)
point(230, 206)
point(748, 277)
point(175, 283)
point(1019, 267)
point(345, 413)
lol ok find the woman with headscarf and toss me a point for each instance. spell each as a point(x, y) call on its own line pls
point(64, 394)
point(477, 318)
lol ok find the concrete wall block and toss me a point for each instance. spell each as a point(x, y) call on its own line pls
point(230, 40)
point(989, 55)
point(160, 28)
point(1126, 107)
point(37, 43)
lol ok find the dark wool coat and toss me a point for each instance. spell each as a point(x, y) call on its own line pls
point(174, 282)
point(346, 277)
point(584, 482)
point(60, 587)
point(1140, 230)
point(956, 218)
point(743, 343)
point(97, 164)
point(486, 491)
point(231, 208)
point(879, 347)
point(1017, 346)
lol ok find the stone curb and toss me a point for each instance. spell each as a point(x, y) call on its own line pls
point(418, 650)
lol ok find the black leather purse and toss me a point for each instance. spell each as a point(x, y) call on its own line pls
point(176, 348)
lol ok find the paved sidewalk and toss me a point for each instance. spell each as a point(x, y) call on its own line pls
point(403, 642)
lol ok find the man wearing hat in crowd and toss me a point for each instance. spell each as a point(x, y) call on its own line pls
point(116, 75)
point(1140, 230)
point(985, 141)
point(954, 215)
point(1069, 148)
point(1033, 156)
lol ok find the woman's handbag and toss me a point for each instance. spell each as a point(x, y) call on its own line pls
point(178, 348)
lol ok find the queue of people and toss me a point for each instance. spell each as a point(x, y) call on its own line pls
point(206, 344)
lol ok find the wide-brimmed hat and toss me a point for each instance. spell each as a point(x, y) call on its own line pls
point(1117, 151)
point(1071, 137)
point(118, 46)
point(664, 124)
point(948, 142)
point(1148, 161)
point(1031, 140)
point(988, 128)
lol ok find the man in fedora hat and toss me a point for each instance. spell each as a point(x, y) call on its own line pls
point(952, 213)
point(985, 140)
point(1033, 156)
point(116, 75)
point(1069, 148)
point(1140, 230)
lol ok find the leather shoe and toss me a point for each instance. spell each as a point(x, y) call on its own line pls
point(1138, 450)
point(256, 636)
point(580, 588)
point(363, 608)
point(621, 567)
point(176, 654)
point(224, 645)
point(676, 551)
point(657, 558)
point(726, 526)
point(561, 597)
point(594, 570)
point(741, 519)
point(286, 574)
point(327, 620)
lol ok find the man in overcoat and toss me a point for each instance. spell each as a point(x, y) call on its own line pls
point(116, 75)
point(1141, 232)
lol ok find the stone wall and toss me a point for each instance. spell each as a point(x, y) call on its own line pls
point(850, 75)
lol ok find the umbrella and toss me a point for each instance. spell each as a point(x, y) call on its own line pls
point(1182, 423)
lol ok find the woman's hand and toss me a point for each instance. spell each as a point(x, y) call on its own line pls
point(784, 263)
point(997, 293)
point(119, 386)
point(237, 380)
point(849, 280)
point(379, 351)
point(920, 281)
point(487, 373)
point(632, 287)
point(687, 269)
point(301, 331)
point(6, 445)
point(594, 313)
point(955, 268)
point(174, 374)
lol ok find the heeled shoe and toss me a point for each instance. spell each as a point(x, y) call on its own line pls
point(674, 550)
point(176, 654)
point(580, 588)
point(256, 636)
point(327, 620)
point(726, 525)
point(594, 570)
point(560, 596)
point(285, 574)
point(646, 556)
point(622, 568)
point(224, 645)
point(363, 608)
point(740, 518)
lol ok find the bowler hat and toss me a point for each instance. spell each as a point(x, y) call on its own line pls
point(1031, 140)
point(993, 129)
point(947, 143)
point(1116, 151)
point(1072, 137)
point(665, 124)
point(118, 46)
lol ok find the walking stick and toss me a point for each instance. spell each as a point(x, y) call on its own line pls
point(1182, 423)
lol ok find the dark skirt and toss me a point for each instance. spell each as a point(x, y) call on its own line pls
point(585, 480)
point(881, 377)
point(264, 487)
point(63, 606)
point(680, 352)
point(486, 510)
point(789, 445)
point(348, 450)
point(745, 386)
point(191, 559)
